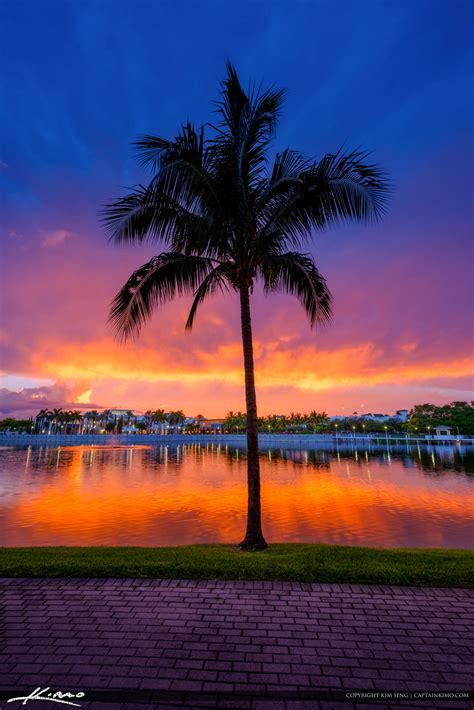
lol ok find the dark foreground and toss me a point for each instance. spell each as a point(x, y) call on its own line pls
point(250, 644)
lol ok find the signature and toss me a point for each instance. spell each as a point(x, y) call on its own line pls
point(57, 697)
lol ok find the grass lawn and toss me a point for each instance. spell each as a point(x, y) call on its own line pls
point(291, 562)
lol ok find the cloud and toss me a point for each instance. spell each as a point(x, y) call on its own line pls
point(291, 374)
point(58, 236)
point(30, 400)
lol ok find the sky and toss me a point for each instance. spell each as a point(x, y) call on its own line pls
point(81, 80)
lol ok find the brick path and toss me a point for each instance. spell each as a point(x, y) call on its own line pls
point(257, 645)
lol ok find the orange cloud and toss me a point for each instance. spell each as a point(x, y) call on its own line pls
point(138, 375)
point(305, 367)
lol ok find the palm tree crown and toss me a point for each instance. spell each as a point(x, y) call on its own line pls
point(225, 220)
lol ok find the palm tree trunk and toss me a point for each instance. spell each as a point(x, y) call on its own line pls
point(254, 539)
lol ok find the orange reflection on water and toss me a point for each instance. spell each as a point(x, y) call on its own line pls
point(165, 496)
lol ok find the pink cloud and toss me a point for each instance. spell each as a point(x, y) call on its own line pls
point(58, 236)
point(30, 400)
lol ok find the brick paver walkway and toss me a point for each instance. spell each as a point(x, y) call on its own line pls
point(258, 645)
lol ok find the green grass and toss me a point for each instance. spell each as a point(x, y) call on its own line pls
point(292, 562)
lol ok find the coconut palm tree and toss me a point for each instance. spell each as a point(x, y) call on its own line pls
point(129, 419)
point(160, 417)
point(148, 420)
point(42, 418)
point(77, 419)
point(317, 419)
point(57, 419)
point(176, 418)
point(104, 418)
point(91, 418)
point(226, 221)
point(68, 418)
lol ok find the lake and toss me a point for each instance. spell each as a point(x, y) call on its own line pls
point(176, 495)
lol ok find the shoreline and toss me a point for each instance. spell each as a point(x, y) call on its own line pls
point(240, 440)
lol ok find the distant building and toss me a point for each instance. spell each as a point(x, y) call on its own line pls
point(401, 415)
point(212, 424)
point(441, 433)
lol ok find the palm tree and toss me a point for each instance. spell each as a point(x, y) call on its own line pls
point(91, 418)
point(129, 419)
point(104, 418)
point(43, 416)
point(316, 419)
point(68, 418)
point(226, 221)
point(176, 418)
point(57, 418)
point(148, 420)
point(159, 417)
point(77, 418)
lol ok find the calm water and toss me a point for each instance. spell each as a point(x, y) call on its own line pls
point(148, 495)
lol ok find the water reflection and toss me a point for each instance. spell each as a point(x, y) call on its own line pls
point(161, 495)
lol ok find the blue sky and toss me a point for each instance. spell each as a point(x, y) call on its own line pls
point(83, 78)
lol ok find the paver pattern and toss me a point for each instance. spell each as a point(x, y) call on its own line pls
point(254, 645)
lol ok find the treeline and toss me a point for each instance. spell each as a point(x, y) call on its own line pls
point(457, 415)
point(314, 421)
point(423, 418)
point(16, 425)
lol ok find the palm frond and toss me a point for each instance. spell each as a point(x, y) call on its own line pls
point(339, 188)
point(298, 275)
point(158, 281)
point(351, 188)
point(216, 280)
point(146, 215)
point(182, 182)
point(287, 167)
point(233, 100)
point(150, 150)
point(129, 218)
point(257, 128)
point(249, 122)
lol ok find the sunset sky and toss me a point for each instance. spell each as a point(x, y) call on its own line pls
point(81, 80)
